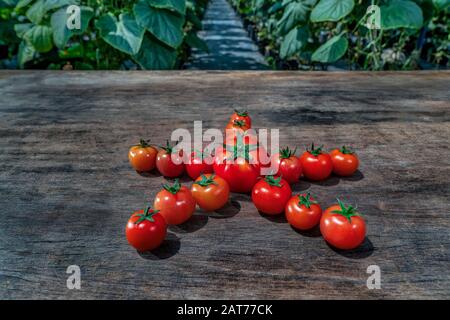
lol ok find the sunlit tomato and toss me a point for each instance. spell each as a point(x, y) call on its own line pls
point(271, 194)
point(198, 165)
point(342, 227)
point(169, 163)
point(236, 165)
point(142, 156)
point(210, 191)
point(234, 128)
point(237, 136)
point(345, 161)
point(315, 164)
point(289, 166)
point(175, 203)
point(241, 116)
point(146, 230)
point(302, 212)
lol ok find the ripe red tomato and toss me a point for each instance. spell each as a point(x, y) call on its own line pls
point(342, 226)
point(175, 203)
point(233, 163)
point(198, 165)
point(211, 192)
point(315, 164)
point(302, 212)
point(248, 137)
point(142, 156)
point(271, 194)
point(345, 161)
point(241, 116)
point(146, 230)
point(289, 166)
point(165, 162)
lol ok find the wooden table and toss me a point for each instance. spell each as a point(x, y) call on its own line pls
point(67, 190)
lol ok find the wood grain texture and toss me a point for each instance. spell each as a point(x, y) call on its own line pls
point(67, 190)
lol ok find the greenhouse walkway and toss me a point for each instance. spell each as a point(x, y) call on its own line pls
point(229, 44)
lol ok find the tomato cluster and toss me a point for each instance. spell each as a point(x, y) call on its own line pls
point(173, 205)
point(215, 177)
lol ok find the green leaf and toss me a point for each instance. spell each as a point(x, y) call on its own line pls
point(55, 4)
point(277, 6)
point(427, 9)
point(331, 51)
point(22, 28)
point(82, 66)
point(294, 41)
point(36, 12)
point(441, 4)
point(155, 56)
point(401, 14)
point(166, 26)
point(40, 37)
point(74, 52)
point(294, 13)
point(23, 3)
point(8, 3)
point(331, 10)
point(26, 53)
point(192, 18)
point(194, 41)
point(175, 5)
point(125, 34)
point(62, 34)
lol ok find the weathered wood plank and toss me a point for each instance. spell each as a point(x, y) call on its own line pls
point(66, 189)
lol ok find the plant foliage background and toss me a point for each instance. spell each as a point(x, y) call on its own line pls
point(158, 34)
point(306, 33)
point(115, 34)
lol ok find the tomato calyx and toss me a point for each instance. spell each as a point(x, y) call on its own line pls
point(241, 113)
point(168, 148)
point(206, 181)
point(286, 153)
point(306, 200)
point(173, 189)
point(240, 149)
point(239, 123)
point(143, 143)
point(274, 182)
point(346, 150)
point(147, 215)
point(347, 212)
point(315, 151)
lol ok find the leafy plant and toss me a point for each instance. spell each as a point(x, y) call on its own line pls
point(322, 32)
point(151, 33)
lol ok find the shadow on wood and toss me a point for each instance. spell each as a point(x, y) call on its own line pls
point(279, 218)
point(170, 247)
point(300, 186)
point(311, 233)
point(195, 223)
point(330, 181)
point(149, 174)
point(230, 209)
point(363, 251)
point(357, 176)
point(245, 197)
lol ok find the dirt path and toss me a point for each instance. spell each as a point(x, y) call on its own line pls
point(229, 44)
